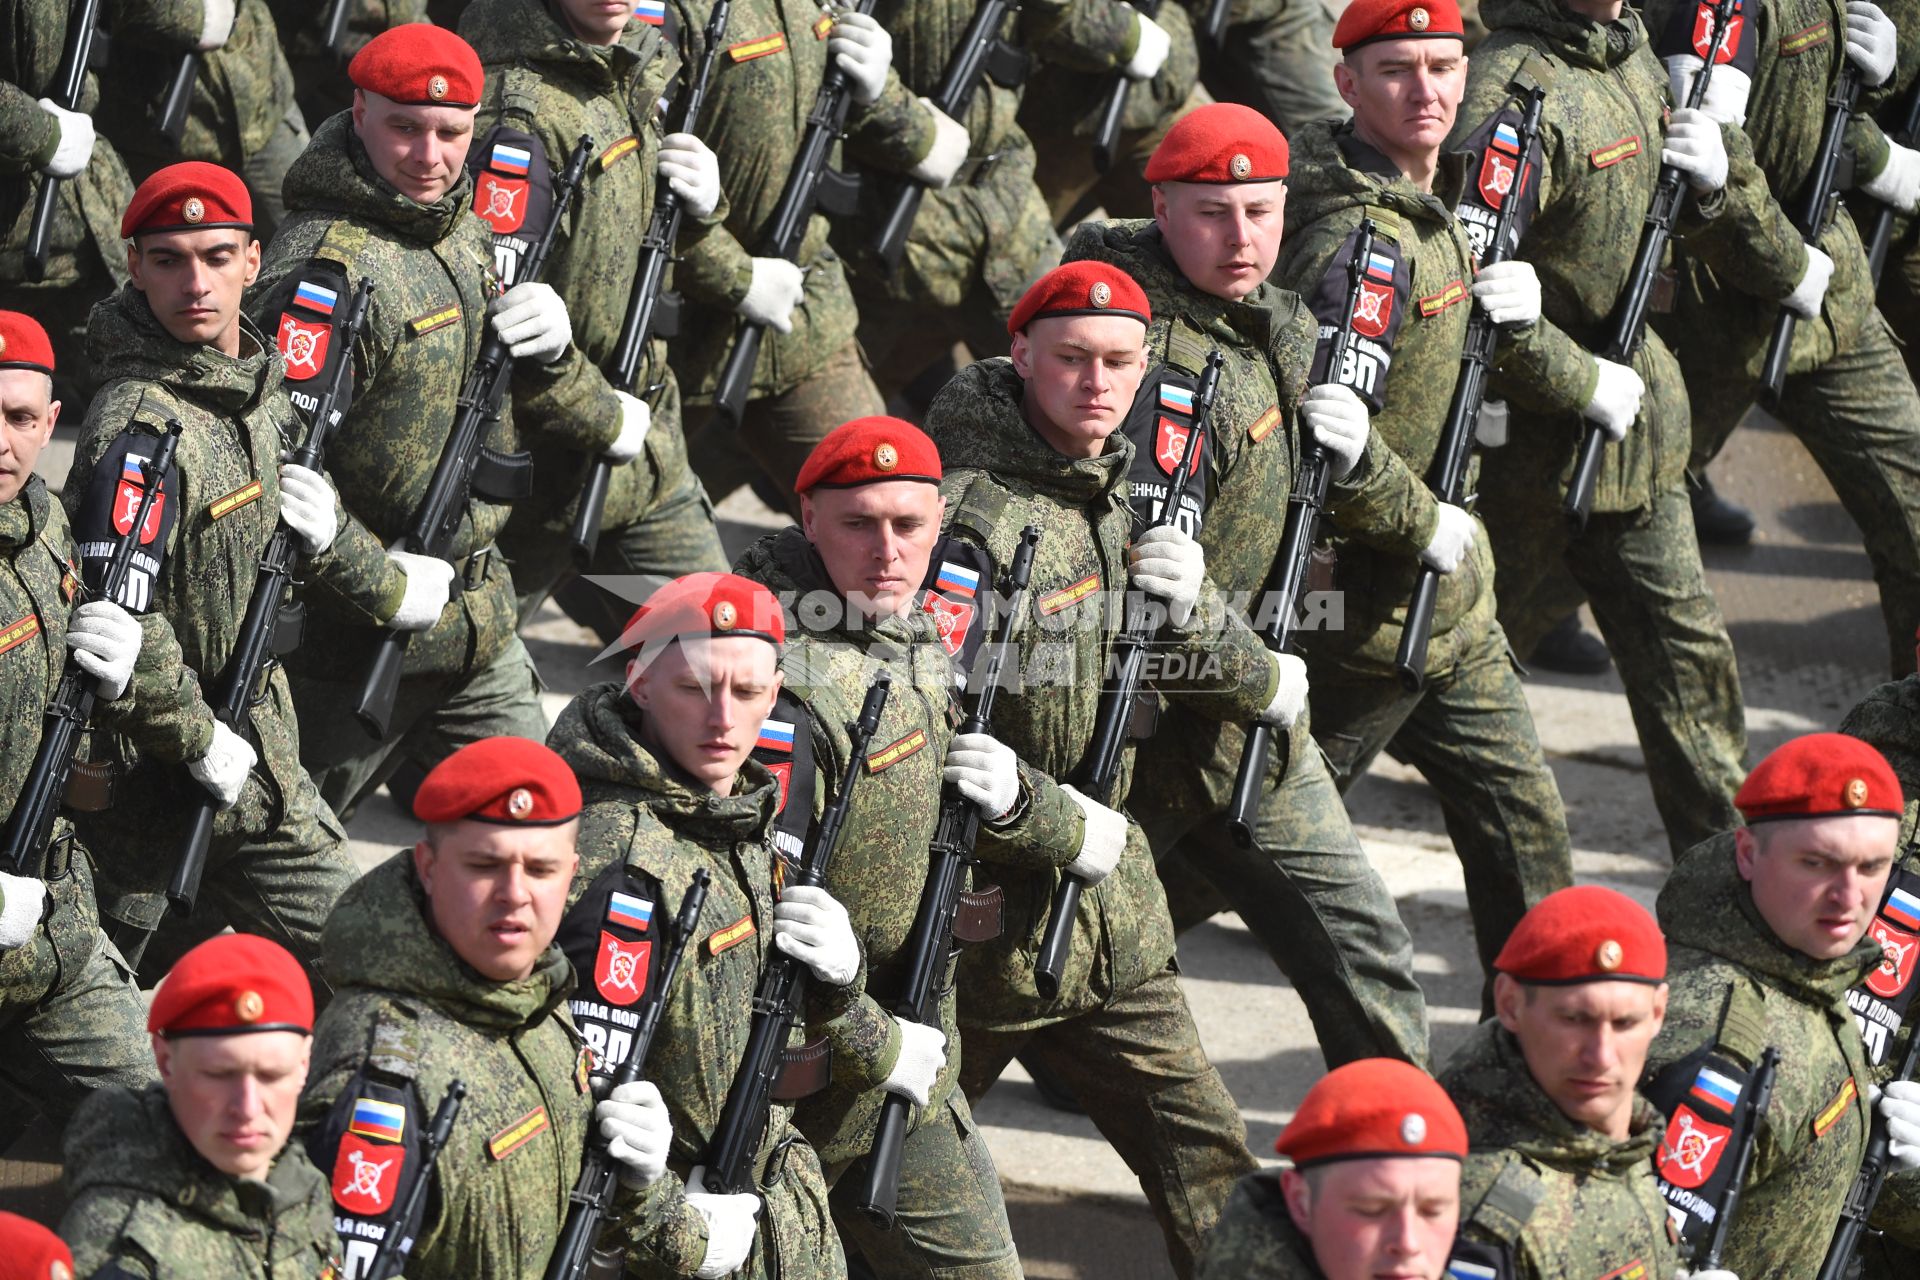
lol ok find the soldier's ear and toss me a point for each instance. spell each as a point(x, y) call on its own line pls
point(1344, 82)
point(253, 261)
point(1298, 1194)
point(1021, 353)
point(1507, 996)
point(1746, 847)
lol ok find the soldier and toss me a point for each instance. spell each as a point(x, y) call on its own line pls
point(1559, 1181)
point(1374, 1189)
point(1275, 56)
point(174, 346)
point(381, 194)
point(319, 87)
point(32, 1252)
point(194, 1176)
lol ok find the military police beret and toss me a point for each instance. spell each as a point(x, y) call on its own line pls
point(1585, 934)
point(233, 984)
point(1371, 1109)
point(707, 604)
point(867, 451)
point(23, 343)
point(28, 1251)
point(1082, 289)
point(1366, 21)
point(190, 196)
point(1220, 142)
point(507, 781)
point(420, 65)
point(1820, 775)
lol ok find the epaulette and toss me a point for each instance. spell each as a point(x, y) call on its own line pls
point(344, 241)
point(1508, 1204)
point(981, 510)
point(1536, 71)
point(1743, 1023)
point(519, 93)
point(396, 1047)
point(1187, 347)
point(1387, 223)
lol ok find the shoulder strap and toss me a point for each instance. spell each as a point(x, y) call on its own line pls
point(344, 241)
point(519, 92)
point(1387, 222)
point(1743, 1023)
point(1536, 71)
point(1187, 347)
point(1508, 1204)
point(981, 510)
point(396, 1045)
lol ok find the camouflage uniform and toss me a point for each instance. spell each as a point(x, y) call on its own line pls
point(1118, 1033)
point(1545, 1196)
point(1255, 1238)
point(1815, 1130)
point(144, 1205)
point(1276, 56)
point(469, 677)
point(320, 74)
point(1308, 891)
point(1637, 559)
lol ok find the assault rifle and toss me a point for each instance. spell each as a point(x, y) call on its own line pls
point(592, 1195)
point(23, 848)
point(1881, 238)
point(270, 628)
point(393, 1250)
point(1113, 721)
point(334, 34)
point(1865, 1191)
point(935, 927)
point(67, 92)
point(783, 985)
point(178, 98)
point(811, 183)
point(1759, 1093)
point(466, 464)
point(1454, 459)
point(649, 284)
point(1215, 26)
point(1106, 138)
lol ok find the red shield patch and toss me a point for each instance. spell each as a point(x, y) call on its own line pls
point(1375, 309)
point(782, 774)
point(951, 618)
point(1498, 171)
point(304, 344)
point(366, 1175)
point(1898, 951)
point(501, 201)
point(1703, 32)
point(620, 970)
point(1692, 1148)
point(1171, 445)
point(126, 505)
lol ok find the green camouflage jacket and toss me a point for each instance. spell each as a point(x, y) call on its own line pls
point(1065, 97)
point(1255, 1238)
point(143, 1204)
point(302, 24)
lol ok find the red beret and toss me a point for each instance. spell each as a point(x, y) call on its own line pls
point(1366, 21)
point(23, 343)
point(1220, 142)
point(190, 196)
point(419, 65)
point(707, 604)
point(28, 1251)
point(1082, 289)
point(1371, 1109)
point(508, 781)
point(867, 451)
point(1820, 775)
point(1585, 934)
point(230, 985)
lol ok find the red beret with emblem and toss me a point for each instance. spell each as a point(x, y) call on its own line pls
point(233, 984)
point(1366, 21)
point(511, 782)
point(419, 65)
point(28, 1251)
point(1373, 1109)
point(190, 196)
point(1082, 289)
point(1588, 933)
point(1820, 775)
point(867, 451)
point(707, 604)
point(1221, 142)
point(23, 343)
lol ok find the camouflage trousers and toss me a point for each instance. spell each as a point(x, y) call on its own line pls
point(1641, 570)
point(1281, 66)
point(1137, 1069)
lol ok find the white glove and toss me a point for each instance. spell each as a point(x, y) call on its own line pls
point(1727, 90)
point(986, 771)
point(634, 1121)
point(950, 148)
point(429, 587)
point(693, 171)
point(532, 321)
point(1509, 292)
point(923, 1056)
point(635, 419)
point(1900, 1105)
point(1898, 184)
point(777, 288)
point(810, 925)
point(1151, 53)
point(1290, 699)
point(224, 769)
point(23, 900)
point(1695, 147)
point(1169, 565)
point(1104, 840)
point(75, 148)
point(1339, 423)
point(216, 24)
point(1807, 296)
point(1616, 399)
point(1714, 1274)
point(1872, 42)
point(731, 1226)
point(1452, 538)
point(307, 507)
point(105, 640)
point(863, 51)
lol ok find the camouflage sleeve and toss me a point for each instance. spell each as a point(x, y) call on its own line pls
point(1697, 994)
point(568, 403)
point(92, 1227)
point(895, 133)
point(864, 1036)
point(357, 570)
point(28, 134)
point(1248, 1239)
point(1753, 245)
point(1046, 831)
point(659, 1223)
point(1084, 35)
point(1227, 673)
point(172, 25)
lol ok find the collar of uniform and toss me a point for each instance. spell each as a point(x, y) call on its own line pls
point(1523, 1118)
point(1577, 38)
point(17, 518)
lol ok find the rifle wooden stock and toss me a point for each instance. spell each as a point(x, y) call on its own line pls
point(392, 1253)
point(68, 90)
point(1811, 221)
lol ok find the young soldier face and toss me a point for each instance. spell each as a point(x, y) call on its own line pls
point(234, 1097)
point(705, 698)
point(1817, 881)
point(1404, 94)
point(27, 414)
point(1391, 1219)
point(1081, 374)
point(495, 893)
point(875, 540)
point(194, 280)
point(418, 150)
point(1225, 238)
point(1586, 1044)
point(597, 21)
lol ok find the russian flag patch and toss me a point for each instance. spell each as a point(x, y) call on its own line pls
point(1712, 1087)
point(316, 298)
point(651, 12)
point(1462, 1270)
point(1507, 138)
point(514, 161)
point(384, 1121)
point(956, 579)
point(1176, 399)
point(629, 912)
point(775, 735)
point(1903, 909)
point(1380, 266)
